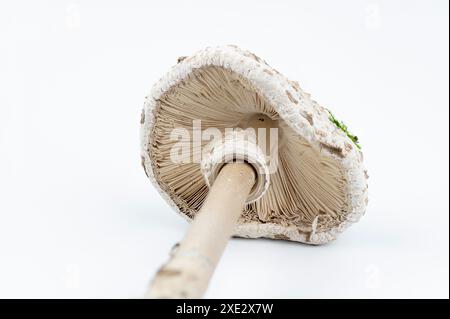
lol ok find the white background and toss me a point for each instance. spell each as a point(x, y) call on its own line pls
point(78, 218)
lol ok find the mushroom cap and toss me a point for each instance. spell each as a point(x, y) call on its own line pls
point(320, 187)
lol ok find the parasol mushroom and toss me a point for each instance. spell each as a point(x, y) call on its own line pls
point(306, 183)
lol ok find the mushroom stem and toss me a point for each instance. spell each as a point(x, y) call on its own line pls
point(187, 273)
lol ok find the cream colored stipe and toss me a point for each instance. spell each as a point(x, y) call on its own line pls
point(190, 267)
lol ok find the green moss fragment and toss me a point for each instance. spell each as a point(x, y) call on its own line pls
point(344, 128)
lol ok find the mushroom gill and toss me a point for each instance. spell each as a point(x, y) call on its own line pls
point(308, 188)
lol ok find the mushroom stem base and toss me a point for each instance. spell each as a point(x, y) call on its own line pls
point(187, 273)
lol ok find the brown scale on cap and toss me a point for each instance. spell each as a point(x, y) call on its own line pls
point(143, 116)
point(291, 98)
